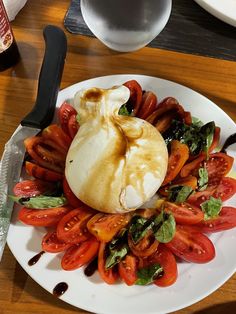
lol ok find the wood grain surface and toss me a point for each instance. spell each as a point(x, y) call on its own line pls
point(88, 58)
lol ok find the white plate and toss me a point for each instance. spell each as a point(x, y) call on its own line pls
point(224, 10)
point(194, 282)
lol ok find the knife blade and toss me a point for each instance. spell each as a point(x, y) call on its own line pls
point(39, 118)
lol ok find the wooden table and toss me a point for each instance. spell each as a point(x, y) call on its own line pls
point(88, 58)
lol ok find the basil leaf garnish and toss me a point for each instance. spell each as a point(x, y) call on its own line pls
point(211, 208)
point(148, 274)
point(40, 202)
point(179, 193)
point(203, 179)
point(116, 256)
point(208, 131)
point(164, 229)
point(139, 227)
point(124, 111)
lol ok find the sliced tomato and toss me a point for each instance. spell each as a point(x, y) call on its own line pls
point(179, 154)
point(145, 247)
point(42, 217)
point(147, 106)
point(226, 189)
point(70, 196)
point(72, 227)
point(64, 114)
point(110, 276)
point(73, 126)
point(200, 197)
point(105, 226)
point(166, 259)
point(184, 213)
point(51, 243)
point(128, 269)
point(55, 133)
point(191, 245)
point(30, 188)
point(80, 254)
point(226, 220)
point(218, 165)
point(46, 153)
point(39, 172)
point(135, 95)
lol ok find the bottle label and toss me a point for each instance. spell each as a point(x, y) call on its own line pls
point(6, 37)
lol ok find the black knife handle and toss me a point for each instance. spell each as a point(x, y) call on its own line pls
point(49, 78)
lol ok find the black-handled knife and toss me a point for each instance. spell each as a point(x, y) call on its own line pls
point(40, 117)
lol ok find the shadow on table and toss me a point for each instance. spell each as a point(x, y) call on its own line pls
point(227, 308)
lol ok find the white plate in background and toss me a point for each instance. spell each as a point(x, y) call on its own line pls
point(224, 10)
point(195, 281)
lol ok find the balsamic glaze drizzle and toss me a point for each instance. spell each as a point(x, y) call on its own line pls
point(60, 289)
point(229, 141)
point(35, 258)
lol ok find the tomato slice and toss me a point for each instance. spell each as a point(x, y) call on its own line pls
point(226, 220)
point(72, 227)
point(184, 213)
point(145, 247)
point(39, 172)
point(46, 153)
point(191, 245)
point(64, 114)
point(70, 196)
point(179, 154)
point(218, 165)
point(51, 243)
point(147, 106)
point(135, 95)
point(73, 126)
point(42, 217)
point(80, 254)
point(55, 133)
point(200, 197)
point(110, 276)
point(105, 226)
point(128, 269)
point(166, 259)
point(30, 188)
point(226, 189)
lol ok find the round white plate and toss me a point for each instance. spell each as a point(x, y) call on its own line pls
point(195, 281)
point(224, 10)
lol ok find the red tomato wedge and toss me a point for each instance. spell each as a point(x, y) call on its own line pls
point(105, 226)
point(64, 114)
point(145, 247)
point(226, 220)
point(148, 105)
point(39, 172)
point(179, 154)
point(80, 254)
point(51, 243)
point(110, 276)
point(55, 133)
point(42, 217)
point(200, 197)
point(30, 188)
point(135, 95)
point(70, 196)
point(72, 227)
point(166, 259)
point(226, 189)
point(184, 213)
point(73, 126)
point(191, 245)
point(128, 269)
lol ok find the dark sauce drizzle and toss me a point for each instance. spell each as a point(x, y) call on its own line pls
point(60, 289)
point(91, 268)
point(35, 259)
point(229, 141)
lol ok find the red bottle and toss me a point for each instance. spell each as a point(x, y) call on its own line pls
point(9, 54)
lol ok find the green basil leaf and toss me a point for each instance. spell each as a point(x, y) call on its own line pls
point(148, 274)
point(116, 256)
point(139, 227)
point(197, 122)
point(203, 179)
point(179, 193)
point(208, 131)
point(78, 118)
point(211, 208)
point(40, 202)
point(124, 111)
point(164, 229)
